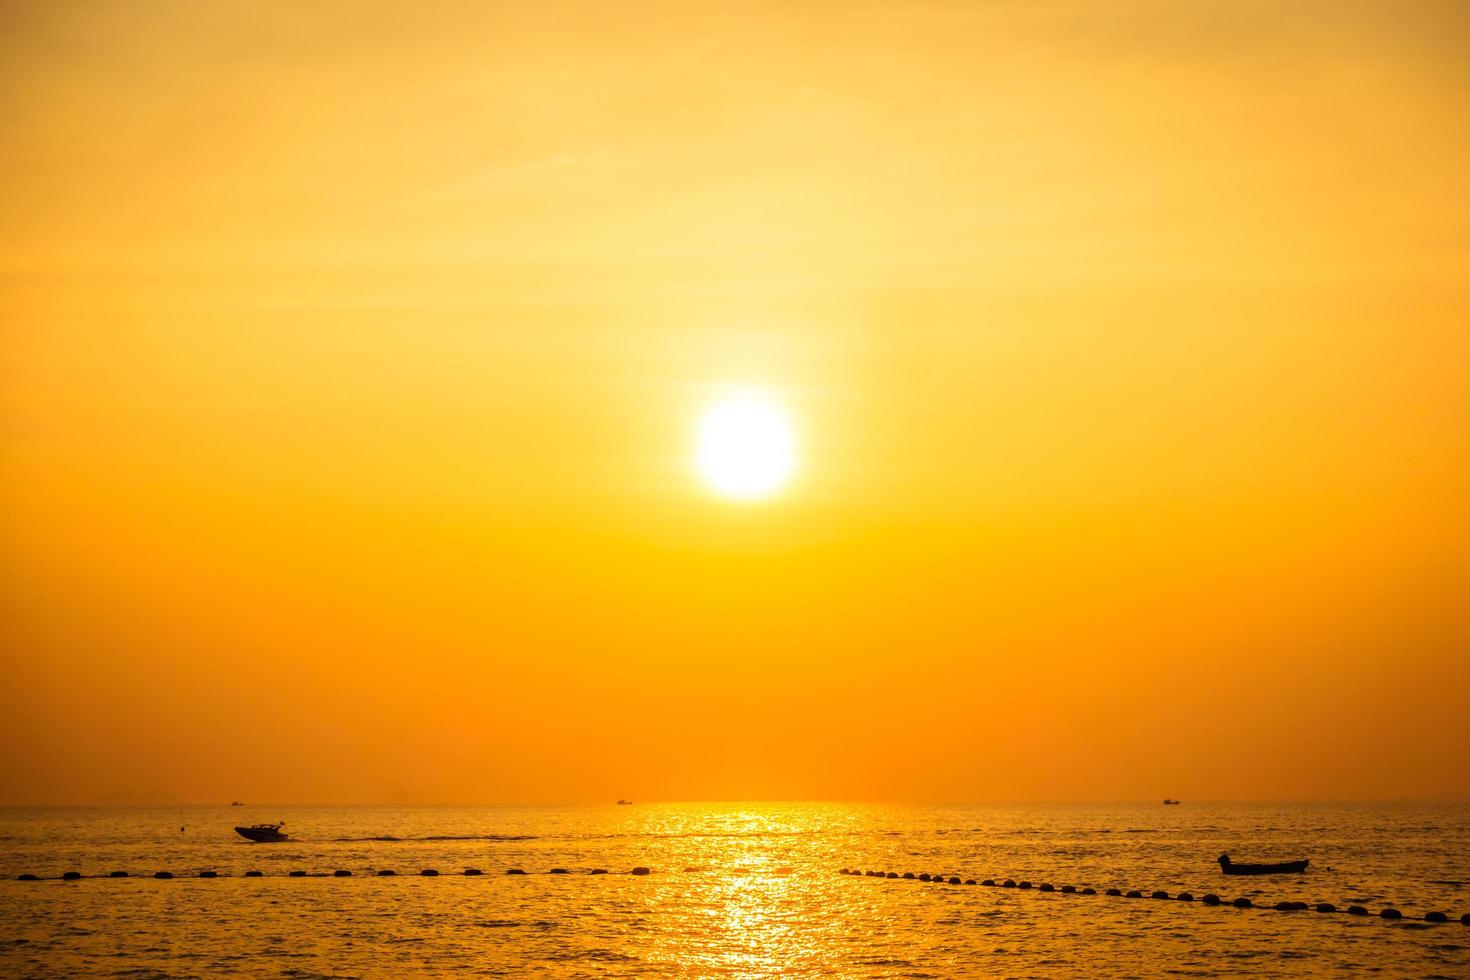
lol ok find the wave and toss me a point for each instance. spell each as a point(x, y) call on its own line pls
point(434, 837)
point(713, 835)
point(479, 837)
point(353, 840)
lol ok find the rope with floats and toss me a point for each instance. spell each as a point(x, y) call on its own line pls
point(637, 872)
point(1389, 914)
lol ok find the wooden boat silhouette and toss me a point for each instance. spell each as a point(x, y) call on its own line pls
point(1283, 868)
point(263, 833)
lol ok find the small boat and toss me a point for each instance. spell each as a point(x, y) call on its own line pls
point(237, 803)
point(1171, 803)
point(263, 833)
point(1284, 868)
point(625, 802)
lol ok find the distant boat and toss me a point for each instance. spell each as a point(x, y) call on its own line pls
point(1171, 803)
point(263, 833)
point(625, 802)
point(237, 803)
point(1284, 868)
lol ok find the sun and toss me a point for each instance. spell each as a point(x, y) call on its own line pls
point(745, 449)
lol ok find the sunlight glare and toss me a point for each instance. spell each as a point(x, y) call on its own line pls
point(745, 449)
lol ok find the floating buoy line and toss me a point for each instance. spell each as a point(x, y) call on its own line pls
point(1211, 899)
point(339, 873)
point(1390, 914)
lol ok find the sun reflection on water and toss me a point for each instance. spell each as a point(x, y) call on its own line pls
point(745, 896)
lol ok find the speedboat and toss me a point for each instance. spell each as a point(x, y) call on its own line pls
point(1171, 803)
point(1284, 868)
point(625, 802)
point(263, 833)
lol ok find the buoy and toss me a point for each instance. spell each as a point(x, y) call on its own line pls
point(1068, 889)
point(1390, 914)
point(1024, 884)
point(1465, 919)
point(1008, 883)
point(1436, 917)
point(640, 871)
point(1088, 891)
point(908, 876)
point(1159, 895)
point(297, 874)
point(518, 871)
point(842, 872)
point(893, 874)
point(1356, 910)
point(209, 874)
point(254, 874)
point(163, 875)
point(27, 877)
point(1286, 906)
point(603, 871)
point(1211, 899)
point(70, 875)
point(472, 872)
point(1242, 903)
point(558, 871)
point(1326, 907)
point(1135, 893)
point(341, 873)
point(1115, 893)
point(429, 873)
point(117, 874)
point(924, 876)
point(1184, 897)
point(971, 881)
point(1047, 887)
point(988, 882)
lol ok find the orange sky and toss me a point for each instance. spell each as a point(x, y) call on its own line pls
point(352, 358)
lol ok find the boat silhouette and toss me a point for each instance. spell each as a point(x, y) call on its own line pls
point(1283, 868)
point(263, 833)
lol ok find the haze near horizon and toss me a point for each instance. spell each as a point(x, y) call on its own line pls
point(894, 401)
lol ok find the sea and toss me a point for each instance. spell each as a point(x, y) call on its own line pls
point(733, 889)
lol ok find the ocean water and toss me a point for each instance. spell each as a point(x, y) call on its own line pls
point(735, 889)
